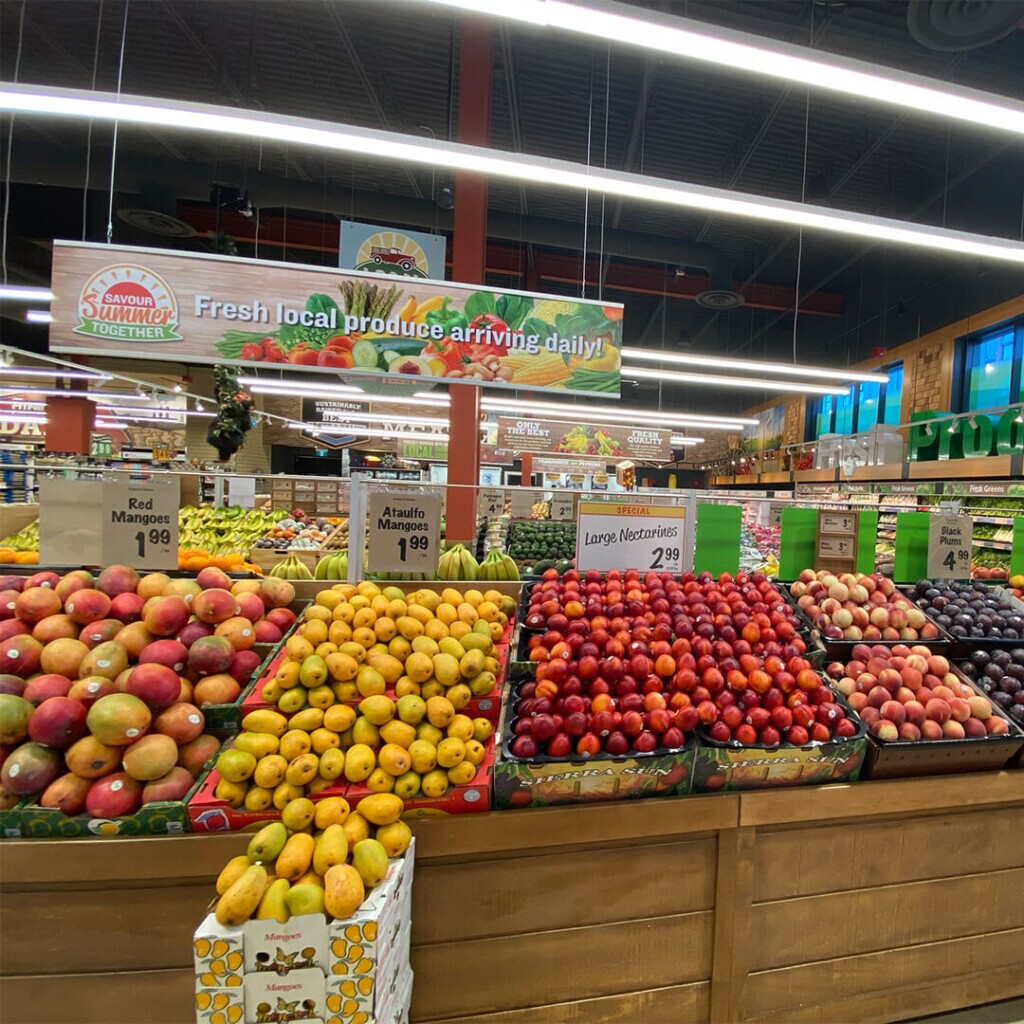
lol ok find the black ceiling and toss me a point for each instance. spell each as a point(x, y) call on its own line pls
point(393, 65)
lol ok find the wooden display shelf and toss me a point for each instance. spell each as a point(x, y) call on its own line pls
point(878, 901)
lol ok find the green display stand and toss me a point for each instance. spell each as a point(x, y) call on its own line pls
point(797, 546)
point(911, 562)
point(867, 535)
point(717, 539)
point(1017, 551)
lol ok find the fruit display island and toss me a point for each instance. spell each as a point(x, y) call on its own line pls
point(335, 722)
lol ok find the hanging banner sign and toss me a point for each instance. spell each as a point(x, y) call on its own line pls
point(607, 439)
point(201, 308)
point(384, 250)
point(588, 467)
point(614, 535)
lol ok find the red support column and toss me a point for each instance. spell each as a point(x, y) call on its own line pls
point(469, 242)
point(526, 468)
point(69, 423)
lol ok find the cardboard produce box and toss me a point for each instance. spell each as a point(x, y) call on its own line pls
point(311, 967)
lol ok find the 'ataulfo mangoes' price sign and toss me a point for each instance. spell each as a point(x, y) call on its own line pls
point(950, 539)
point(403, 532)
point(610, 535)
point(140, 523)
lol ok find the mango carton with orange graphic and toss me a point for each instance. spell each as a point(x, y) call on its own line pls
point(274, 999)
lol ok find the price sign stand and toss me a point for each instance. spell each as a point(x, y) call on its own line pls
point(140, 522)
point(950, 539)
point(718, 539)
point(836, 544)
point(490, 502)
point(404, 529)
point(1017, 550)
point(621, 535)
point(70, 517)
point(911, 561)
point(796, 544)
point(563, 505)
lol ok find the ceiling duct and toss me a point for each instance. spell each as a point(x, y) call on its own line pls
point(952, 26)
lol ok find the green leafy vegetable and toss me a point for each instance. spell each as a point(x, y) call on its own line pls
point(479, 303)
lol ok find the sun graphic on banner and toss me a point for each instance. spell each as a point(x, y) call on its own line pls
point(391, 252)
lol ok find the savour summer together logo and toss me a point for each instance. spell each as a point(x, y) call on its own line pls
point(129, 302)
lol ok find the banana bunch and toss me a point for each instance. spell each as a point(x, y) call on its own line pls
point(291, 568)
point(24, 540)
point(457, 564)
point(497, 566)
point(289, 869)
point(332, 567)
point(400, 576)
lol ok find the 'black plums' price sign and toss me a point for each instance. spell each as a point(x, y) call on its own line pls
point(403, 532)
point(949, 547)
point(140, 523)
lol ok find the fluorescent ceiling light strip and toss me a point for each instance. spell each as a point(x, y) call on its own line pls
point(376, 417)
point(304, 391)
point(111, 424)
point(745, 365)
point(24, 293)
point(743, 52)
point(347, 388)
point(20, 418)
point(38, 316)
point(642, 373)
point(404, 435)
point(30, 371)
point(677, 441)
point(96, 396)
point(371, 143)
point(559, 410)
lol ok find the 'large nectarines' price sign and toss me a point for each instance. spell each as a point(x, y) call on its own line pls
point(614, 535)
point(140, 523)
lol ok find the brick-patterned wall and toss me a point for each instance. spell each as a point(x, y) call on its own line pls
point(926, 380)
point(794, 421)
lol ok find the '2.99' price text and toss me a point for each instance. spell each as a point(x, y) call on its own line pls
point(661, 556)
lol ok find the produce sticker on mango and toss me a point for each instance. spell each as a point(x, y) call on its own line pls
point(207, 308)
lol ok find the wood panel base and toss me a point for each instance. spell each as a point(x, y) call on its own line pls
point(881, 901)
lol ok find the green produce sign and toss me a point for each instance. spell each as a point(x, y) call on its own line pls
point(965, 436)
point(203, 308)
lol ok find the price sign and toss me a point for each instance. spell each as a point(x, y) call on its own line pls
point(949, 546)
point(70, 512)
point(836, 547)
point(403, 532)
point(612, 535)
point(140, 523)
point(523, 501)
point(490, 502)
point(563, 506)
point(837, 522)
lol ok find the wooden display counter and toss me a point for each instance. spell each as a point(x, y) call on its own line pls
point(873, 902)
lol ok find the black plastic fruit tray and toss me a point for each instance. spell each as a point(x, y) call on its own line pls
point(843, 649)
point(898, 759)
point(963, 645)
point(507, 736)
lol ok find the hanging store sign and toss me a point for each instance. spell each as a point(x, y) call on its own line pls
point(380, 249)
point(583, 466)
point(204, 308)
point(588, 439)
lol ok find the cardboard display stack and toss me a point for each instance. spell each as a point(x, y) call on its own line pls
point(312, 969)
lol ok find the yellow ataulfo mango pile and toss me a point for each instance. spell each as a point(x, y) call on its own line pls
point(318, 859)
point(361, 641)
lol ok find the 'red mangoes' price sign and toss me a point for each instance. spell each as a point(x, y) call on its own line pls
point(613, 535)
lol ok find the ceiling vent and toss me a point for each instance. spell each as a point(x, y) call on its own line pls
point(719, 298)
point(951, 26)
point(153, 222)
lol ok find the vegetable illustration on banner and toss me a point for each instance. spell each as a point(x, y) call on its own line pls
point(212, 308)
